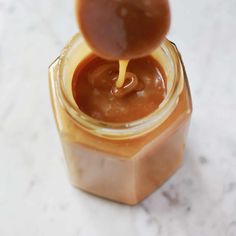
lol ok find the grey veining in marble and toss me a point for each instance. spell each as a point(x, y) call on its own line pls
point(35, 195)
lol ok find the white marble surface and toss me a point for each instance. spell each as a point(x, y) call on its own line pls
point(36, 198)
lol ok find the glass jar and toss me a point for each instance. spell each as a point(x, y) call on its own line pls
point(123, 162)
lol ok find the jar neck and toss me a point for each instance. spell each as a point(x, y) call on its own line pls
point(76, 50)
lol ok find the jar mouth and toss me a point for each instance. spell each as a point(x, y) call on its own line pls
point(175, 82)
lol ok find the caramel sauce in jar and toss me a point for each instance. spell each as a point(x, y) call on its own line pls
point(95, 92)
point(123, 124)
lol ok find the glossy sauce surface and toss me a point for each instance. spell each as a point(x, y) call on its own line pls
point(123, 29)
point(95, 92)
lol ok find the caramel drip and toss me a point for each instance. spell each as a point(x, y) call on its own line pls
point(123, 64)
point(131, 84)
point(120, 81)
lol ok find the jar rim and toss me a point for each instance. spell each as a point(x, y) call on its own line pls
point(129, 129)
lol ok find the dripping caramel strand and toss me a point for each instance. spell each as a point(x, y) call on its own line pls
point(123, 64)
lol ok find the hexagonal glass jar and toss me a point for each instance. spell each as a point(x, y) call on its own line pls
point(122, 162)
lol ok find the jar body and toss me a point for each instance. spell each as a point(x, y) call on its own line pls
point(124, 170)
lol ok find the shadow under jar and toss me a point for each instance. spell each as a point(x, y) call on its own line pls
point(124, 162)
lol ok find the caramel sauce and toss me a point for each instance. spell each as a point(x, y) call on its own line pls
point(123, 64)
point(96, 94)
